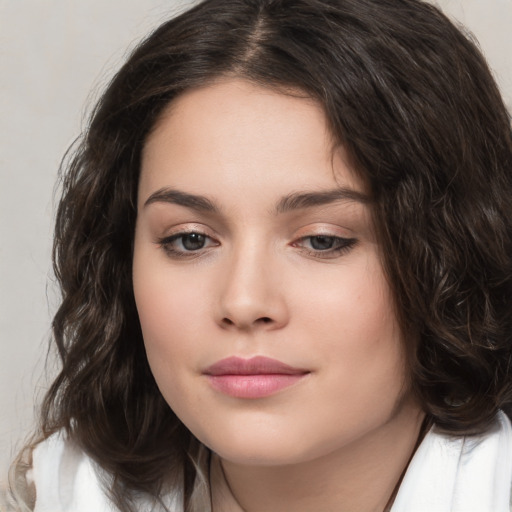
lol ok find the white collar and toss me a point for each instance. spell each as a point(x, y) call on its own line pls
point(460, 474)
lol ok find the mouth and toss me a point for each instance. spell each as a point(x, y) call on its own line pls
point(257, 377)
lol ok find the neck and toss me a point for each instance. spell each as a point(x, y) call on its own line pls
point(362, 476)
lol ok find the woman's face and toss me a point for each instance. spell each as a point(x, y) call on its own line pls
point(267, 319)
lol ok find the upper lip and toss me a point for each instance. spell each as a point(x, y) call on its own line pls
point(258, 365)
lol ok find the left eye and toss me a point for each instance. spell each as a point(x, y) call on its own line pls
point(321, 242)
point(325, 244)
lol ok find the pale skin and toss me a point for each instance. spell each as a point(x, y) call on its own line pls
point(254, 238)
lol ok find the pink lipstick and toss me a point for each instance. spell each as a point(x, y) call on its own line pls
point(256, 377)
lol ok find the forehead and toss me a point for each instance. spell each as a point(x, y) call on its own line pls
point(239, 136)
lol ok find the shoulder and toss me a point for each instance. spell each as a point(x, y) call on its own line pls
point(66, 479)
point(460, 473)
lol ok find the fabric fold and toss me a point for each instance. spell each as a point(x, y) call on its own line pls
point(460, 474)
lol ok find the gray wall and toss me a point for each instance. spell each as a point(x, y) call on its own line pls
point(53, 54)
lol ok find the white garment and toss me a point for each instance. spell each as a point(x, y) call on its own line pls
point(66, 479)
point(446, 474)
point(460, 474)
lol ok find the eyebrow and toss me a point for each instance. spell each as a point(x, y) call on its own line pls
point(290, 202)
point(300, 200)
point(193, 201)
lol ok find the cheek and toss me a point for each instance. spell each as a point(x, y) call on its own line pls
point(352, 304)
point(166, 311)
point(169, 314)
point(168, 308)
point(166, 298)
point(353, 323)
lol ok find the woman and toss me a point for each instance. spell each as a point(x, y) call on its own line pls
point(284, 251)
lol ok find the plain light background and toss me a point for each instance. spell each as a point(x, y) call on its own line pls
point(55, 58)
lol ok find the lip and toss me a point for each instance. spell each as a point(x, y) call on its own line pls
point(256, 377)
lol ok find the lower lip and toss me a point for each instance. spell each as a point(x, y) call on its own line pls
point(253, 386)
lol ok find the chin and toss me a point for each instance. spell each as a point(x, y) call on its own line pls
point(268, 455)
point(266, 447)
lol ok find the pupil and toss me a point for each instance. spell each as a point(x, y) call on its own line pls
point(321, 243)
point(193, 241)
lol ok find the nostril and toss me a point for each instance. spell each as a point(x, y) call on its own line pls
point(262, 320)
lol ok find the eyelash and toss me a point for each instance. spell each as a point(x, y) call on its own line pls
point(341, 245)
point(167, 244)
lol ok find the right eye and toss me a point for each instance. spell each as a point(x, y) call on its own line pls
point(186, 243)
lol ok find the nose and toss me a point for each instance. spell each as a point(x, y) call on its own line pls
point(251, 295)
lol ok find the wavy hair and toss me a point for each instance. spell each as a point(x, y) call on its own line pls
point(411, 99)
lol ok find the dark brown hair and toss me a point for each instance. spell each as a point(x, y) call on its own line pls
point(412, 100)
